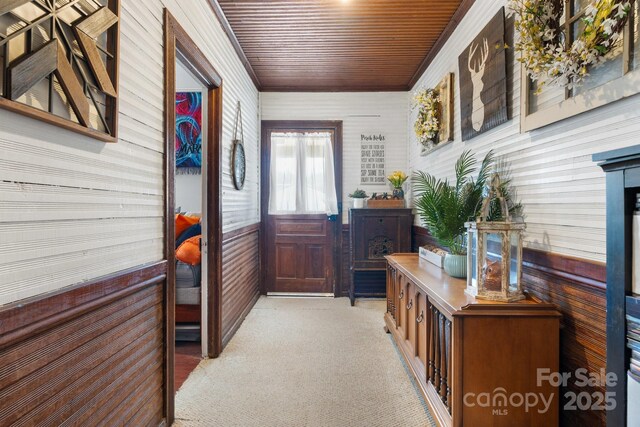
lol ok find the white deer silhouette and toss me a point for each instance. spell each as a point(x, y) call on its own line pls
point(476, 68)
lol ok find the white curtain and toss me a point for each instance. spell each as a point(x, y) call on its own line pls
point(302, 177)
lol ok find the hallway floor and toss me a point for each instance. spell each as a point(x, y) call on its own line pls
point(305, 363)
point(188, 357)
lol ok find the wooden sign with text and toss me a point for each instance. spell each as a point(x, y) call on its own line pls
point(372, 159)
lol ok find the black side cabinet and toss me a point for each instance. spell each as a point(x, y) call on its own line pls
point(375, 233)
point(622, 168)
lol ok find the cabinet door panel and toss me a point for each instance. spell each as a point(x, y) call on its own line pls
point(410, 308)
point(401, 308)
point(391, 291)
point(421, 332)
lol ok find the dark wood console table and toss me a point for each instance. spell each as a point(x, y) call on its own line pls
point(375, 233)
point(458, 347)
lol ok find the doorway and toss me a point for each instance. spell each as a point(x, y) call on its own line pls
point(191, 223)
point(301, 207)
point(187, 74)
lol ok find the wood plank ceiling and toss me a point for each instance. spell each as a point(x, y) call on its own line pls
point(339, 45)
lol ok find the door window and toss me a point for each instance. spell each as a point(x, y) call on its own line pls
point(302, 177)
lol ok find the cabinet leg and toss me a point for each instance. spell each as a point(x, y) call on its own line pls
point(386, 330)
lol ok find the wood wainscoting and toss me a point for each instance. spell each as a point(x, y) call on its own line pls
point(577, 287)
point(240, 277)
point(86, 355)
point(344, 277)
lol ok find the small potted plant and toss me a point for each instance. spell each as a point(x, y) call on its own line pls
point(358, 197)
point(397, 179)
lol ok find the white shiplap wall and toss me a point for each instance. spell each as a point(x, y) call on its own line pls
point(360, 112)
point(563, 191)
point(72, 208)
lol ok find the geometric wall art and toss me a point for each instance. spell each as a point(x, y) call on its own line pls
point(59, 62)
point(483, 80)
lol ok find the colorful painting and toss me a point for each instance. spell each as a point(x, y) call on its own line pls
point(188, 132)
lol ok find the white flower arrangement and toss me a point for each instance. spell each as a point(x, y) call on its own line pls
point(427, 125)
point(544, 49)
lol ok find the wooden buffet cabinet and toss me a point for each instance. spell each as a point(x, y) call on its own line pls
point(458, 347)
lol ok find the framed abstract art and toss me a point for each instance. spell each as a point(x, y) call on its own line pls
point(188, 132)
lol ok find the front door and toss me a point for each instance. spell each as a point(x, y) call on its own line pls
point(302, 260)
point(301, 206)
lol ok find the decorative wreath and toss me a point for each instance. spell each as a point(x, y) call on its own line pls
point(427, 101)
point(544, 49)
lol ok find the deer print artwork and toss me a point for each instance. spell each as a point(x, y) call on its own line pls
point(483, 80)
point(476, 65)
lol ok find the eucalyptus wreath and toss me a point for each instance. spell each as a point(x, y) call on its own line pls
point(427, 124)
point(547, 54)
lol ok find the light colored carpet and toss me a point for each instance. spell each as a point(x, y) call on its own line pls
point(305, 363)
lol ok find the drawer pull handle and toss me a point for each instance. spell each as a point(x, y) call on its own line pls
point(420, 318)
point(401, 294)
point(410, 305)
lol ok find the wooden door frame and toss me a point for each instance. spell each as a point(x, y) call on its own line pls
point(178, 45)
point(267, 126)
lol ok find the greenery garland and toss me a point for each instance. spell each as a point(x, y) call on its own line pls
point(544, 49)
point(427, 123)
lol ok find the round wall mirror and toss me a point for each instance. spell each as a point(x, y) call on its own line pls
point(238, 164)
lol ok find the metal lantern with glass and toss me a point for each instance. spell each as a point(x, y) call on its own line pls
point(494, 252)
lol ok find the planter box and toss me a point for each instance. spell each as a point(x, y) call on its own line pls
point(390, 204)
point(432, 257)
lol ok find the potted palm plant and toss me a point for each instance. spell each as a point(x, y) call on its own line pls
point(358, 197)
point(444, 207)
